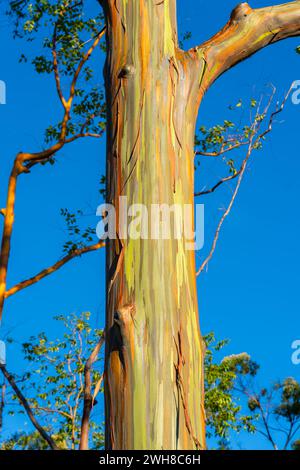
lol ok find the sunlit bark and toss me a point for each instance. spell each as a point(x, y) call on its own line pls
point(154, 351)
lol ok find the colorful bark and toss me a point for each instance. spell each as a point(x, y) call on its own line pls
point(154, 377)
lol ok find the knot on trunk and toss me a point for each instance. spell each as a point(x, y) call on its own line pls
point(126, 71)
point(123, 317)
point(240, 12)
point(19, 166)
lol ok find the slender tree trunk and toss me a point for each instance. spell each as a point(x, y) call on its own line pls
point(154, 351)
point(154, 355)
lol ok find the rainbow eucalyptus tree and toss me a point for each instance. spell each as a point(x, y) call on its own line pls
point(154, 350)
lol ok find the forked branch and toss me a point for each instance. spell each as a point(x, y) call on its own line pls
point(256, 136)
point(219, 183)
point(24, 161)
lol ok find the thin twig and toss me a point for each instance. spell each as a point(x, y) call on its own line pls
point(254, 140)
point(225, 214)
point(2, 403)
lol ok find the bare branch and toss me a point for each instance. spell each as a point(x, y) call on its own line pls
point(81, 135)
point(219, 183)
point(255, 137)
point(2, 403)
point(274, 114)
point(226, 213)
point(49, 410)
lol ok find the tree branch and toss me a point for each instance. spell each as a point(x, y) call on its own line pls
point(266, 425)
point(81, 135)
point(49, 410)
point(247, 31)
point(226, 213)
point(30, 159)
point(46, 272)
point(255, 137)
point(28, 409)
point(88, 397)
point(9, 217)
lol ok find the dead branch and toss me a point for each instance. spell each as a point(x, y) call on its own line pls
point(219, 183)
point(28, 409)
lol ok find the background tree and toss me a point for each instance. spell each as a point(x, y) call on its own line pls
point(60, 386)
point(224, 415)
point(54, 386)
point(277, 410)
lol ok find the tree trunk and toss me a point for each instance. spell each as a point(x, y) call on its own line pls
point(154, 353)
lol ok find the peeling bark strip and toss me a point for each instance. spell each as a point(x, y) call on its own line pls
point(153, 384)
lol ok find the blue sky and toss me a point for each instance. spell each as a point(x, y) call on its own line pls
point(251, 291)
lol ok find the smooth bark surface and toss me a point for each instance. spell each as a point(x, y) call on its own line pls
point(154, 353)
